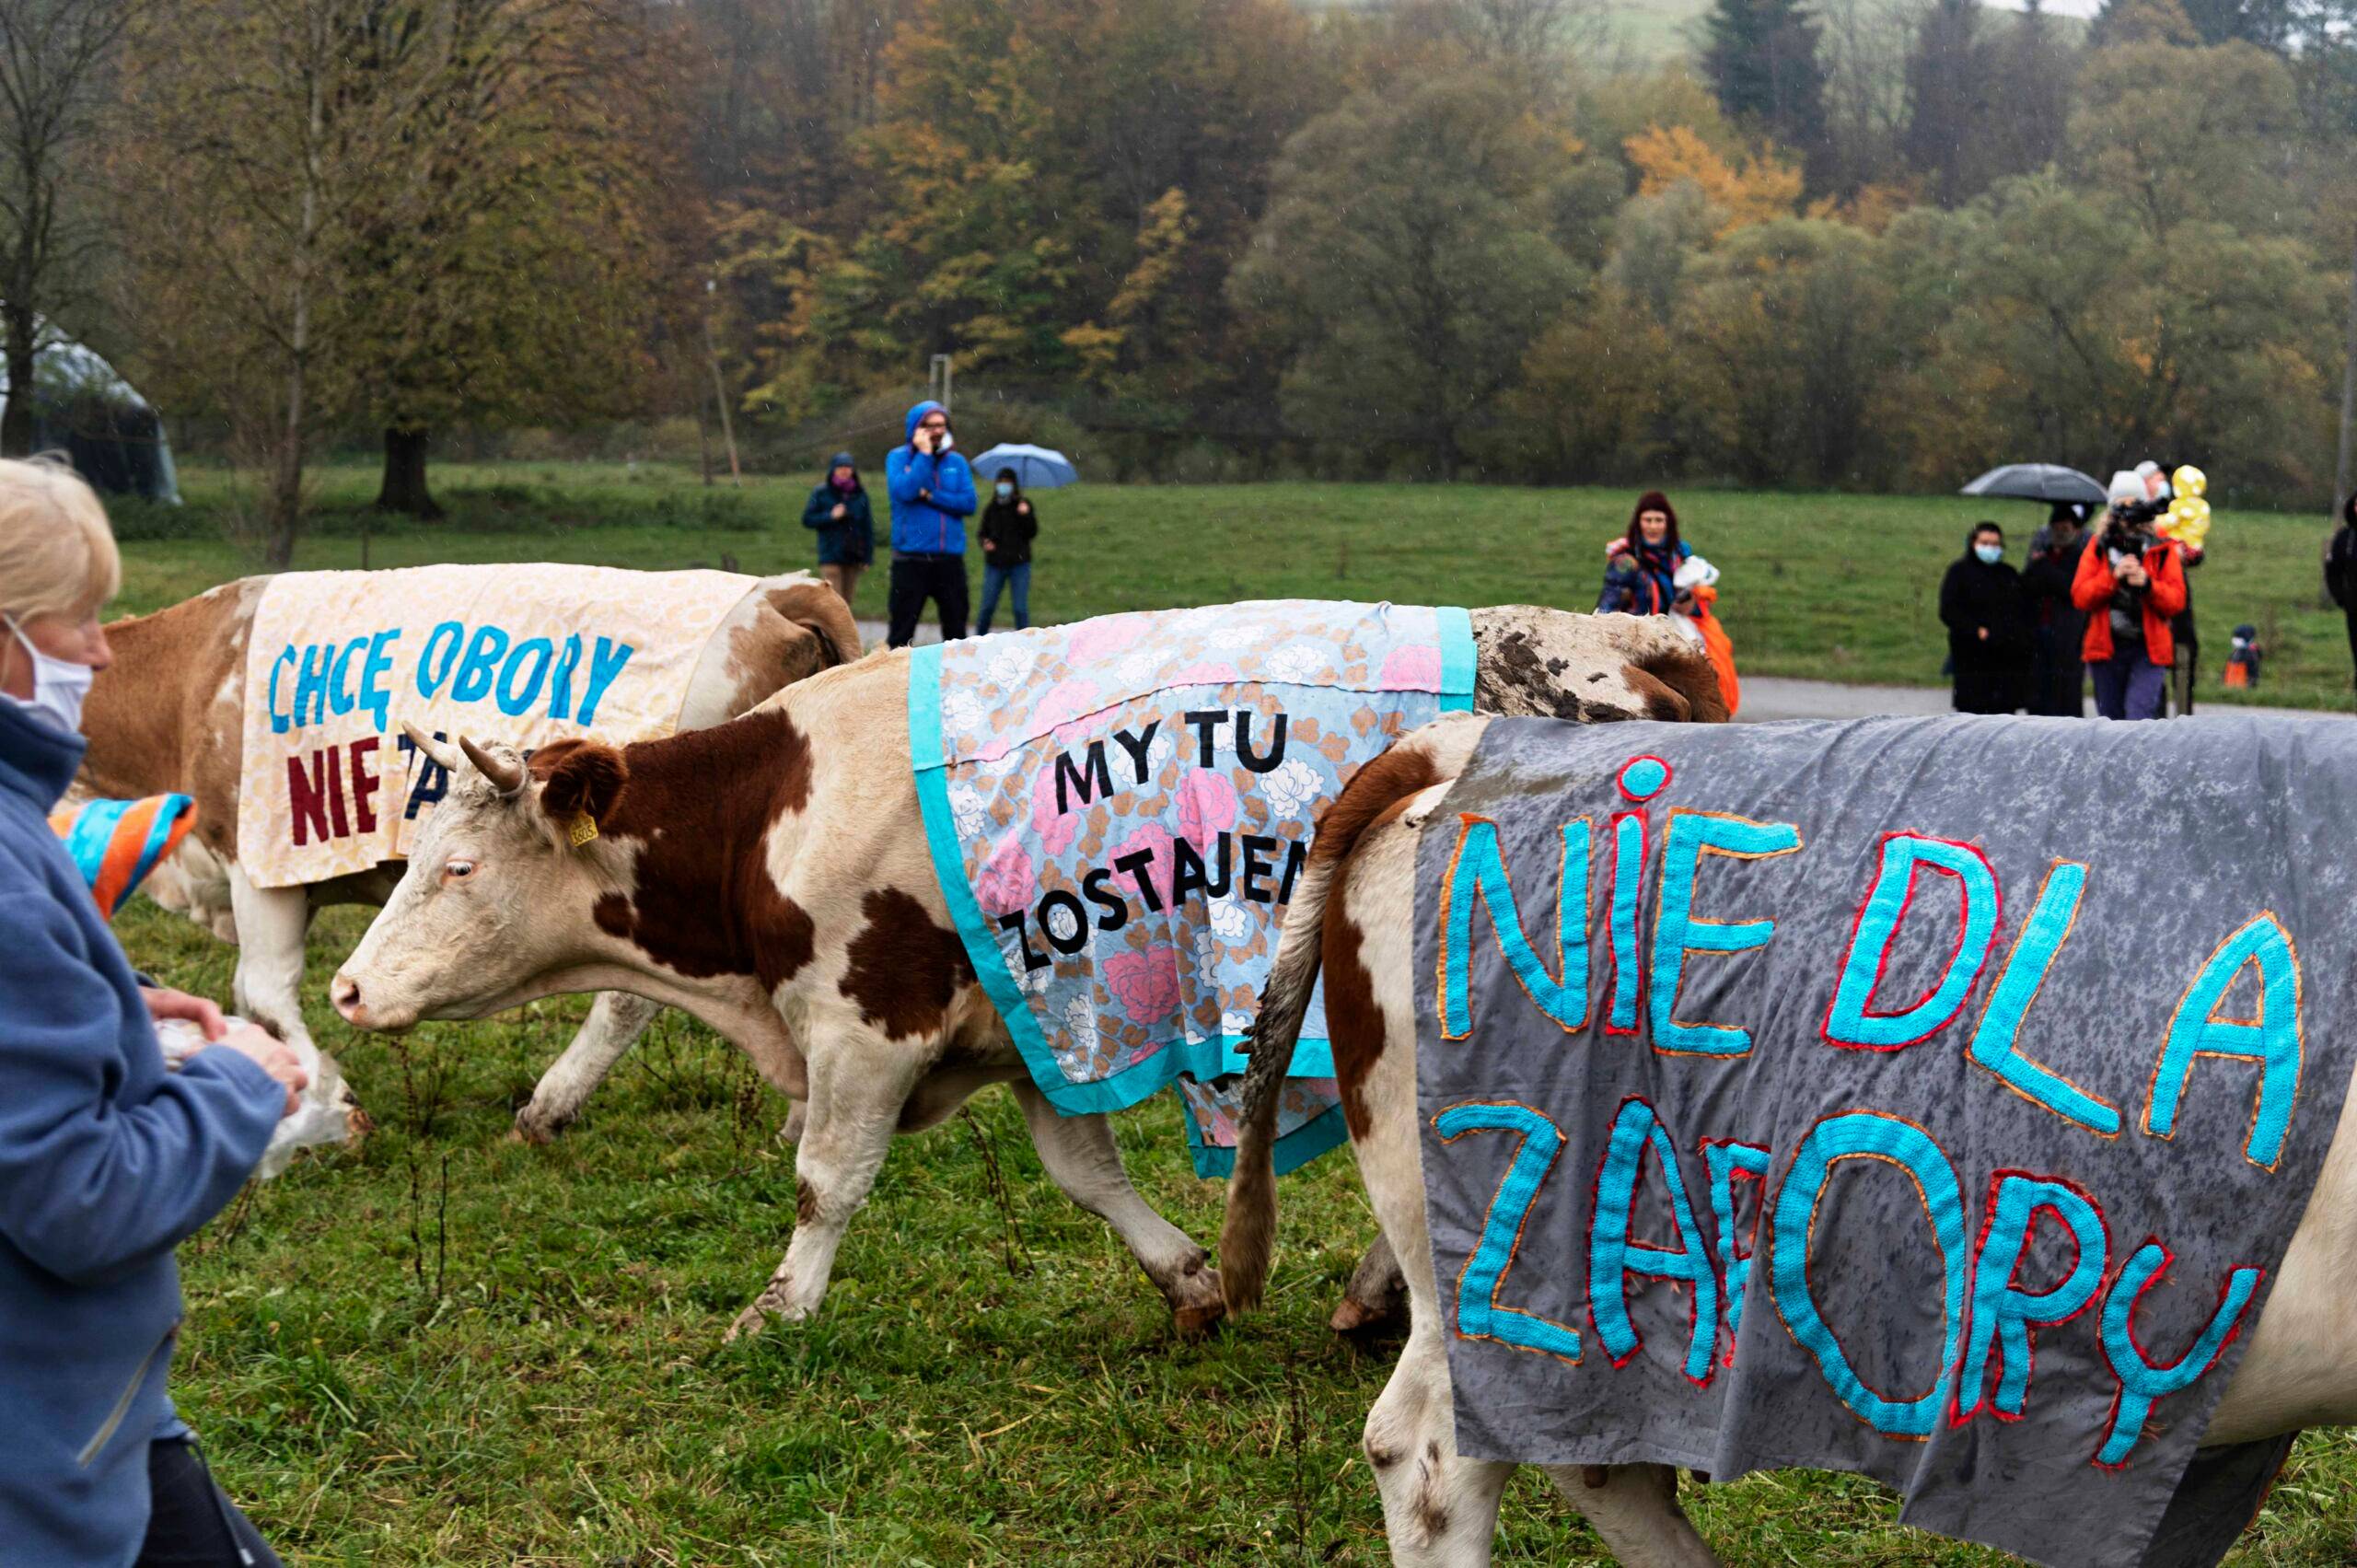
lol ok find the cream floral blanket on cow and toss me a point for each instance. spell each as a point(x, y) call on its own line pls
point(338, 661)
point(1119, 811)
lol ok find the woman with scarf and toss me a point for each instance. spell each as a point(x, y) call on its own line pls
point(1641, 568)
point(838, 510)
point(108, 1161)
point(1988, 619)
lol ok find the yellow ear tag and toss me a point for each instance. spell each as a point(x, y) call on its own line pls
point(583, 828)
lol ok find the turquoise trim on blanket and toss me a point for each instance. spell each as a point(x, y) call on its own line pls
point(1293, 1151)
point(1455, 658)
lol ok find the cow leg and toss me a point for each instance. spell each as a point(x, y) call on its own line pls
point(1082, 1159)
point(615, 1020)
point(1376, 1301)
point(859, 1080)
point(271, 925)
point(1440, 1510)
point(1634, 1508)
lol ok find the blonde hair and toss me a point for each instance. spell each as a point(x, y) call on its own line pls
point(57, 552)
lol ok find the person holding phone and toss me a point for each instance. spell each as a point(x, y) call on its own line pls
point(932, 493)
point(108, 1161)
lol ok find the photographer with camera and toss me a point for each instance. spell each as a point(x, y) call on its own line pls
point(2130, 584)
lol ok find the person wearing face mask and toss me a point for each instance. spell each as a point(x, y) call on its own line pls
point(838, 510)
point(1988, 622)
point(1008, 528)
point(932, 492)
point(107, 1161)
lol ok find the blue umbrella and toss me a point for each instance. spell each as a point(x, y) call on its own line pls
point(1035, 468)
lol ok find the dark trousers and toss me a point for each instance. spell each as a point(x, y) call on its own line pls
point(193, 1524)
point(916, 578)
point(2129, 686)
point(1984, 690)
point(1015, 578)
point(2352, 636)
point(2057, 681)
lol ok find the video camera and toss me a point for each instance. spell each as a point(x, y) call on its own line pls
point(2128, 530)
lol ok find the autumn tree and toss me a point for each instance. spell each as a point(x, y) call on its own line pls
point(54, 59)
point(1951, 94)
point(1761, 58)
point(1403, 262)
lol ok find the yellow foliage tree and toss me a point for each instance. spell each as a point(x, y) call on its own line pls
point(1763, 188)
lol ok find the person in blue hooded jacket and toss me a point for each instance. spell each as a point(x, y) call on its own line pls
point(932, 492)
point(107, 1160)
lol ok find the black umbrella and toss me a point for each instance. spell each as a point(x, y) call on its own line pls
point(2038, 482)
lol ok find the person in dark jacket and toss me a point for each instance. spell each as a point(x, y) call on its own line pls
point(838, 510)
point(2341, 568)
point(1988, 622)
point(107, 1161)
point(1641, 568)
point(1009, 525)
point(932, 490)
point(2057, 681)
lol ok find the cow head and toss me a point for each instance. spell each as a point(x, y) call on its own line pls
point(496, 907)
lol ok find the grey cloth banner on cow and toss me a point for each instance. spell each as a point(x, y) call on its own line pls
point(1937, 1104)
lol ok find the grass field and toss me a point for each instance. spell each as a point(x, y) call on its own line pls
point(447, 1348)
point(1836, 587)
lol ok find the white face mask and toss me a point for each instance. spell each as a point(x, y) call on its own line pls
point(1004, 490)
point(1990, 553)
point(59, 686)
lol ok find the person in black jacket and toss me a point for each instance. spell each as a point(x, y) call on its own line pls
point(1009, 525)
point(1988, 623)
point(2057, 679)
point(838, 510)
point(2341, 568)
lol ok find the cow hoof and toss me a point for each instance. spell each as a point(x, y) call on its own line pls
point(1360, 1321)
point(536, 1130)
point(752, 1320)
point(1194, 1322)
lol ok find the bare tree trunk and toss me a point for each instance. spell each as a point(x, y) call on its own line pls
point(17, 420)
point(2342, 471)
point(404, 488)
point(284, 516)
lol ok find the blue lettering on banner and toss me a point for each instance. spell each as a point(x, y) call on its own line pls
point(1848, 1021)
point(430, 676)
point(605, 663)
point(2140, 1382)
point(1691, 836)
point(568, 659)
point(1478, 872)
point(280, 723)
point(513, 702)
point(2002, 1315)
point(432, 781)
point(340, 698)
point(311, 685)
point(1478, 1315)
point(1612, 1257)
point(1867, 1134)
point(480, 667)
point(1995, 1043)
point(2272, 1040)
point(1628, 875)
point(378, 665)
point(1730, 1161)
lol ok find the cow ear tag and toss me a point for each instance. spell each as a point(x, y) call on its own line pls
point(583, 828)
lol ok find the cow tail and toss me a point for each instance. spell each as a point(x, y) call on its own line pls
point(1248, 1232)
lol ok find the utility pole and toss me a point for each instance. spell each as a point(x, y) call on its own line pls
point(719, 391)
point(936, 381)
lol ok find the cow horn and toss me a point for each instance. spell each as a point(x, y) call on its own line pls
point(506, 777)
point(436, 751)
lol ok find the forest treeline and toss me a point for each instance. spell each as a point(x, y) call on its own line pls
point(1873, 243)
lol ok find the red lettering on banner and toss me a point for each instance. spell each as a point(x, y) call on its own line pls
point(363, 784)
point(307, 799)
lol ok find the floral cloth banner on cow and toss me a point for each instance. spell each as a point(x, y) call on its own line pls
point(338, 661)
point(1118, 810)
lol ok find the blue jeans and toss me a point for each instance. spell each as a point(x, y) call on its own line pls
point(2129, 685)
point(1018, 578)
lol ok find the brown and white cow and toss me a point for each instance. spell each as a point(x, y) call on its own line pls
point(1352, 916)
point(170, 716)
point(771, 876)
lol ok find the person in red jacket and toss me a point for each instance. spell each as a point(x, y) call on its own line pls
point(2130, 584)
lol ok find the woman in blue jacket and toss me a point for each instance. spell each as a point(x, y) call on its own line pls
point(838, 509)
point(107, 1161)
